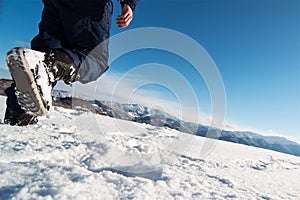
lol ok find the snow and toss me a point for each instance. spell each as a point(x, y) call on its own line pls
point(35, 60)
point(78, 155)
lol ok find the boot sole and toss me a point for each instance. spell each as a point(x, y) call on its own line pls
point(28, 93)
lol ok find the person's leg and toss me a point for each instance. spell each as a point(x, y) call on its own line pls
point(68, 33)
point(51, 33)
point(16, 60)
point(86, 25)
point(34, 78)
point(77, 27)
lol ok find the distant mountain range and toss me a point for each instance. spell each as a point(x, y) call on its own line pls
point(156, 117)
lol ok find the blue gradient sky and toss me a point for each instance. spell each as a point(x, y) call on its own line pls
point(254, 43)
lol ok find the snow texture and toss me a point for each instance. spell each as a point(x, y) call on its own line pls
point(35, 60)
point(79, 155)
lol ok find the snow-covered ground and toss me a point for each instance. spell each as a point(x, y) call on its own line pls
point(78, 155)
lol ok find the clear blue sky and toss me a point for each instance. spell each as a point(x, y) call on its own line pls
point(254, 43)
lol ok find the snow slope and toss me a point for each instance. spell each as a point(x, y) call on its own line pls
point(78, 155)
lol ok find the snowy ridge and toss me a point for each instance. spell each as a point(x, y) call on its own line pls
point(156, 117)
point(142, 114)
point(79, 155)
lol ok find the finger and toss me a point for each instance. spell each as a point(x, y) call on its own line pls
point(124, 21)
point(128, 17)
point(123, 24)
point(126, 14)
point(125, 18)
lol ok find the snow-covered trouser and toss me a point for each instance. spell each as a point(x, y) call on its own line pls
point(78, 27)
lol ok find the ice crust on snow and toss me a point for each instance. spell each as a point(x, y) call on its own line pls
point(72, 155)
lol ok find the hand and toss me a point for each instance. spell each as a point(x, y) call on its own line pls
point(125, 18)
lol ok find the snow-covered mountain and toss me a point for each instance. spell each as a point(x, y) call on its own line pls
point(156, 117)
point(73, 154)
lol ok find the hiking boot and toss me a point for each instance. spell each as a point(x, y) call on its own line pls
point(60, 66)
point(33, 88)
point(20, 118)
point(14, 114)
point(34, 73)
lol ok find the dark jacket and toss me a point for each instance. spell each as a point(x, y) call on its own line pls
point(131, 3)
